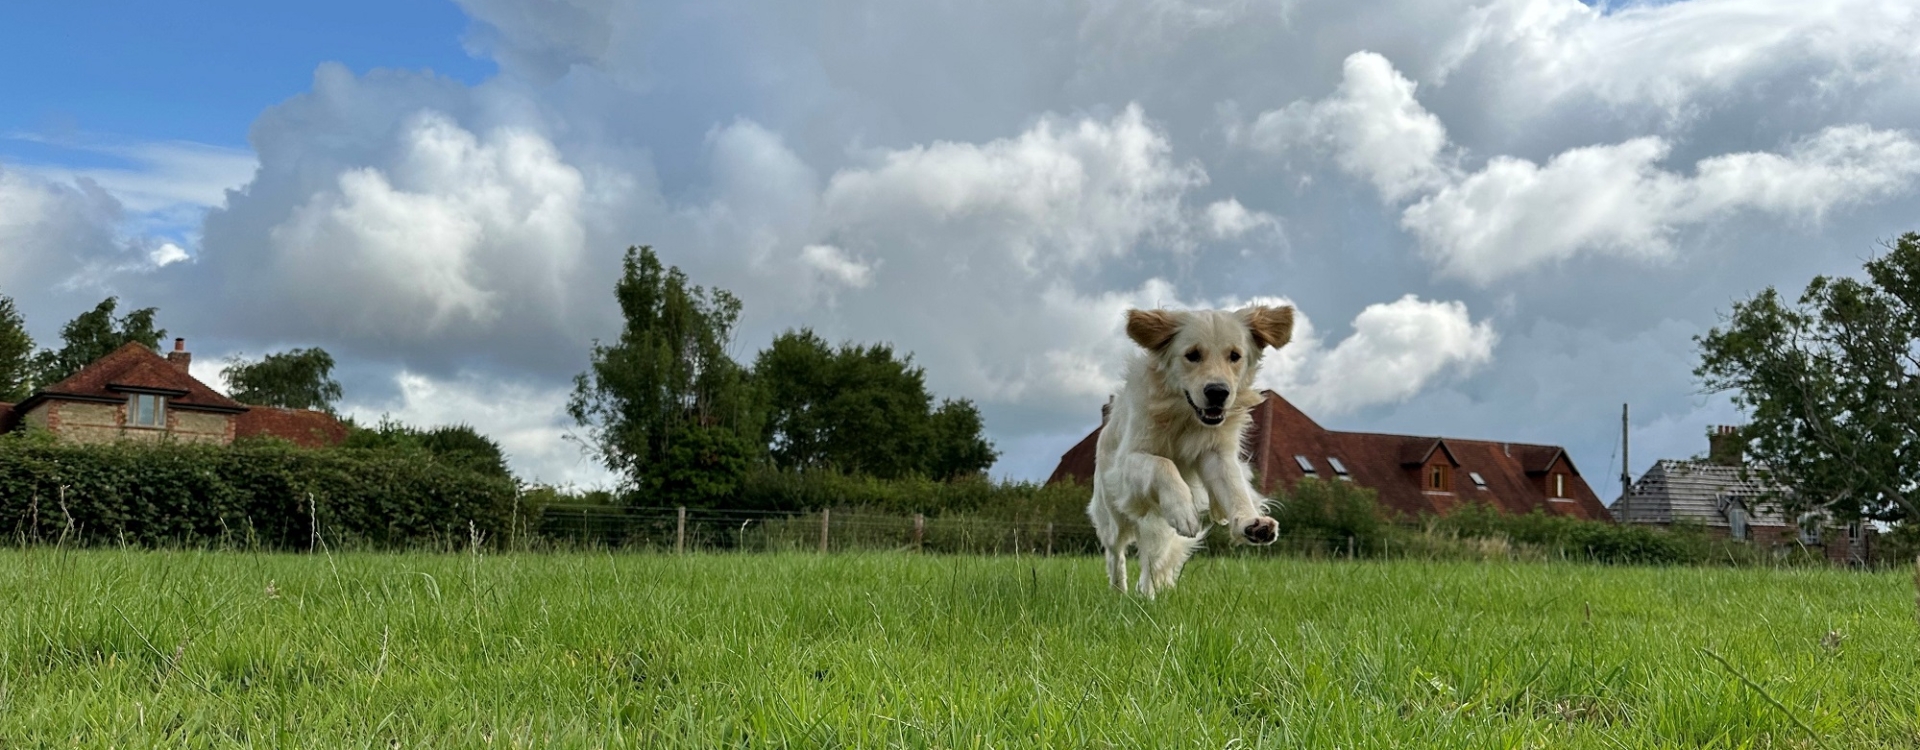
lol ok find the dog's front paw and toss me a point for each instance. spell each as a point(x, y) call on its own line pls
point(1184, 519)
point(1262, 530)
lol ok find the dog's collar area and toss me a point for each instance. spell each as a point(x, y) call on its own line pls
point(1213, 421)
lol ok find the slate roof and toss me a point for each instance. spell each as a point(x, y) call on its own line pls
point(133, 368)
point(1515, 474)
point(1696, 492)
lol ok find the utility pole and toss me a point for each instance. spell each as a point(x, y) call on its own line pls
point(1626, 466)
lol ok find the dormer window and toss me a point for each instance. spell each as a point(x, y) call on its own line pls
point(147, 410)
point(1478, 481)
point(1306, 464)
point(1339, 469)
point(1438, 478)
point(1559, 485)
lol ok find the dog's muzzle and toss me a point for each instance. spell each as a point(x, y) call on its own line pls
point(1211, 416)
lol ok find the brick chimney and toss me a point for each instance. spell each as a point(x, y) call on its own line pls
point(1106, 410)
point(1726, 446)
point(179, 356)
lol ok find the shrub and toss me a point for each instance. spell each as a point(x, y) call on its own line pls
point(256, 494)
point(1320, 513)
point(1594, 540)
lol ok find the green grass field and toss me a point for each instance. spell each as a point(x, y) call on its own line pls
point(130, 649)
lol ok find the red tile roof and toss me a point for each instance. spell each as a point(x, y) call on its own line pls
point(303, 427)
point(134, 367)
point(1518, 476)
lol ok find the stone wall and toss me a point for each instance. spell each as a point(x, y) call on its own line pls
point(86, 422)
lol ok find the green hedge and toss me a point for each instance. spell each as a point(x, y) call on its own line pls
point(260, 495)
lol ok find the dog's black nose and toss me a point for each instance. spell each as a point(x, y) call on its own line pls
point(1216, 394)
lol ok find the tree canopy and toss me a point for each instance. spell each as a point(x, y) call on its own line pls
point(295, 379)
point(92, 335)
point(861, 409)
point(1831, 383)
point(665, 406)
point(16, 353)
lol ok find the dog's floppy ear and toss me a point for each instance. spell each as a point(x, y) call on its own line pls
point(1271, 326)
point(1151, 329)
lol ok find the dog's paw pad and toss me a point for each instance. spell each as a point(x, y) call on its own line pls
point(1262, 530)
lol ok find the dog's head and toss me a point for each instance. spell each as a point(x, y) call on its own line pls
point(1210, 356)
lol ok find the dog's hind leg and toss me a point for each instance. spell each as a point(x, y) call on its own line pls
point(1115, 534)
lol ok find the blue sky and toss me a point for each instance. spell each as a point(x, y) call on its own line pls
point(1499, 219)
point(200, 71)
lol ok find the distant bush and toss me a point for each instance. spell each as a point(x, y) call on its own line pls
point(1332, 513)
point(256, 494)
point(460, 445)
point(1600, 541)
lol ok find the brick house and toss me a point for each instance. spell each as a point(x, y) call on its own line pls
point(1411, 475)
point(1721, 496)
point(135, 394)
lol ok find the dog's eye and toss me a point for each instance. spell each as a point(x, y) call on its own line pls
point(1193, 355)
point(1233, 356)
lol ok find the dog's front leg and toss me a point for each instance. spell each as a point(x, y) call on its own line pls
point(1235, 500)
point(1153, 485)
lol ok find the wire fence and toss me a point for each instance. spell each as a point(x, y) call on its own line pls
point(829, 530)
point(665, 529)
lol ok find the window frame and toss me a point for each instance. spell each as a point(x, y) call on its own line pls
point(159, 414)
point(1305, 464)
point(1559, 485)
point(1478, 481)
point(1439, 478)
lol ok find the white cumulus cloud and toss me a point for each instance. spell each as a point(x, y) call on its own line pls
point(437, 238)
point(1513, 214)
point(1396, 350)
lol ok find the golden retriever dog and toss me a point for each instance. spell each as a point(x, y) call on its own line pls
point(1170, 450)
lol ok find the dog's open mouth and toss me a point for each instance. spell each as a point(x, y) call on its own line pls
point(1210, 416)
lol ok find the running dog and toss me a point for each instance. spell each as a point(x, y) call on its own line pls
point(1170, 450)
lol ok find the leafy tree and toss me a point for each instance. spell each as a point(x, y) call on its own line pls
point(862, 410)
point(92, 335)
point(297, 379)
point(960, 446)
point(16, 353)
point(1832, 387)
point(665, 406)
point(455, 445)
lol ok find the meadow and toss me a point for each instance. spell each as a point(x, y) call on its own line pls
point(129, 648)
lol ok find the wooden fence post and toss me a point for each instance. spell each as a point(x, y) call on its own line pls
point(1049, 539)
point(680, 533)
point(919, 532)
point(826, 521)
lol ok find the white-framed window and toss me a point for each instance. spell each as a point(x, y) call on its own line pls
point(1478, 481)
point(1338, 468)
point(1559, 485)
point(1810, 524)
point(147, 410)
point(1306, 464)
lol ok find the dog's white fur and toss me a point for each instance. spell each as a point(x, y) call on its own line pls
point(1160, 464)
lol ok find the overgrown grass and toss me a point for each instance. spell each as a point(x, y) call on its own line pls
point(134, 648)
